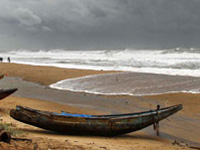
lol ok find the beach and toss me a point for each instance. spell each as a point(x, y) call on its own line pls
point(33, 91)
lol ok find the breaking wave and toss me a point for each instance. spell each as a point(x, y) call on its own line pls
point(177, 61)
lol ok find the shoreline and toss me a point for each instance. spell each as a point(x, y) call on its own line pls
point(130, 84)
point(48, 75)
point(178, 128)
point(51, 73)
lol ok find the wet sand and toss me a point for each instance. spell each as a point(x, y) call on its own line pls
point(182, 126)
point(43, 75)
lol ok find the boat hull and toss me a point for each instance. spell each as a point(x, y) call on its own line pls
point(104, 125)
point(7, 92)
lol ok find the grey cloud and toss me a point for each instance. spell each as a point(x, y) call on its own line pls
point(98, 13)
point(26, 17)
point(92, 24)
point(45, 28)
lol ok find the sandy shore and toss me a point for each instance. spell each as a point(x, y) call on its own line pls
point(43, 75)
point(184, 124)
point(45, 139)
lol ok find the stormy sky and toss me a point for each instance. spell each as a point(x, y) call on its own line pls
point(99, 24)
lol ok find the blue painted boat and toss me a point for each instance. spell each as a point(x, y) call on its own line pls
point(103, 125)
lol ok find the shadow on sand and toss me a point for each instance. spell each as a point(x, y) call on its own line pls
point(141, 136)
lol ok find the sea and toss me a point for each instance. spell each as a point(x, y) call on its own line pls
point(142, 72)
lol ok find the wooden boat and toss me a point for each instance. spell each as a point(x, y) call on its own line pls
point(104, 125)
point(6, 92)
point(1, 76)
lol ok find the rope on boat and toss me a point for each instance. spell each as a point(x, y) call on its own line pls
point(156, 123)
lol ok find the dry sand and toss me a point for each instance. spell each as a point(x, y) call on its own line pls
point(49, 140)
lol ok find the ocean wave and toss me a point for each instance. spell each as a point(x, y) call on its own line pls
point(177, 61)
point(181, 50)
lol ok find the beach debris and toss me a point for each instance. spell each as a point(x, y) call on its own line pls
point(35, 147)
point(21, 139)
point(182, 144)
point(194, 147)
point(5, 136)
point(103, 147)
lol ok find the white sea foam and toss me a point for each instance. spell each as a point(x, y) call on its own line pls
point(170, 61)
point(127, 83)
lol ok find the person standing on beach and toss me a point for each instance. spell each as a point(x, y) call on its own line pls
point(9, 59)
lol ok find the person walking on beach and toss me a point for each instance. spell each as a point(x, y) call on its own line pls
point(9, 59)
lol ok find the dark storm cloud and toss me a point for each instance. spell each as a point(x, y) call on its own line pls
point(90, 24)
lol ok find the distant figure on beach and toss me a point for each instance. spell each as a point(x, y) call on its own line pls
point(9, 59)
point(1, 59)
